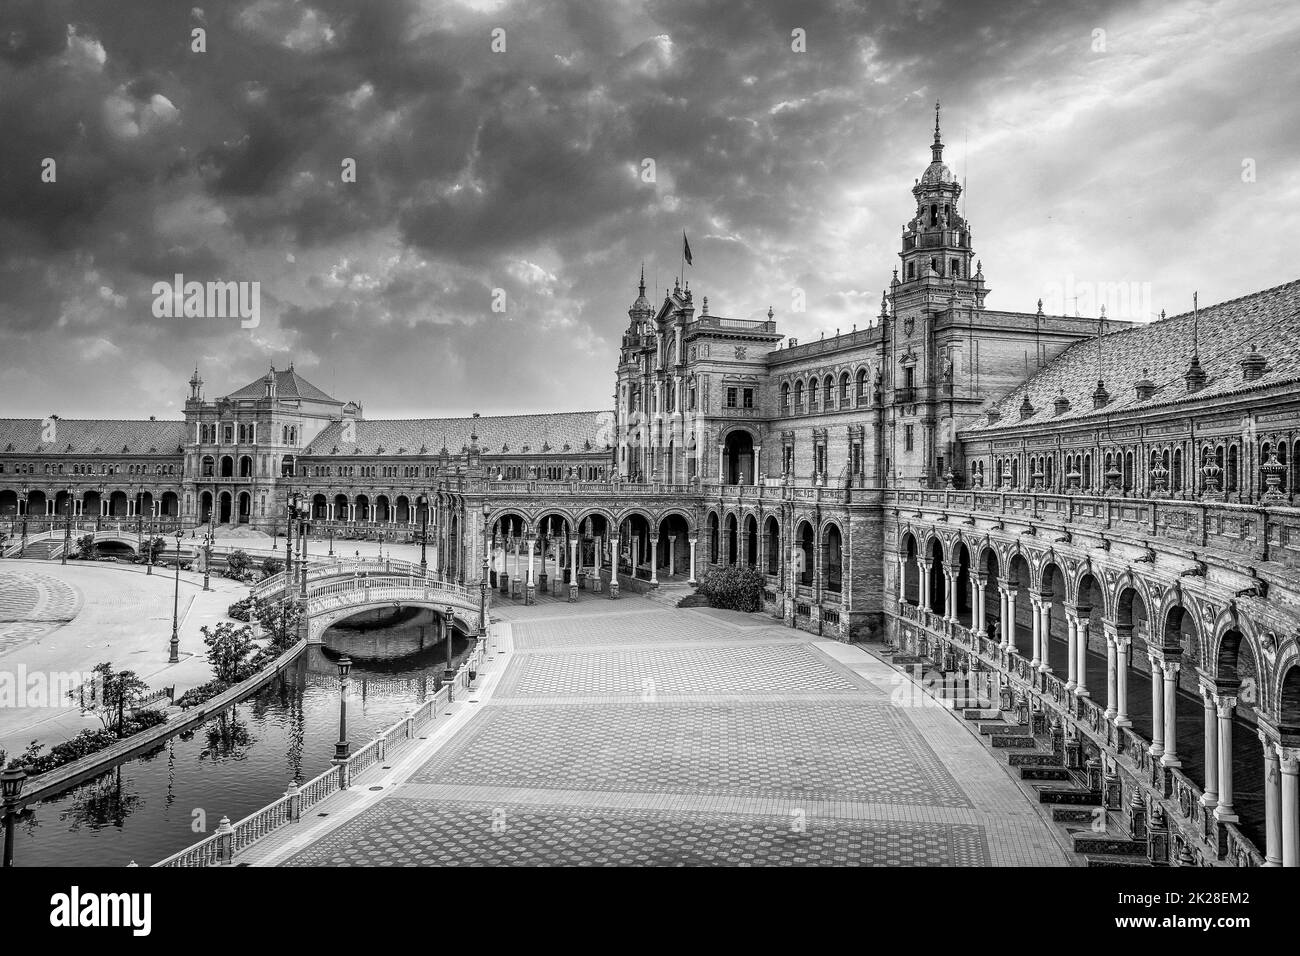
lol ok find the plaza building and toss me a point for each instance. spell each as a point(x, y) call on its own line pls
point(1094, 517)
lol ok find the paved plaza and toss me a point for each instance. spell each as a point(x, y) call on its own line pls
point(631, 733)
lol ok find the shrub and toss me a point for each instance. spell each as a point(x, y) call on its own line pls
point(241, 610)
point(238, 564)
point(734, 588)
point(271, 566)
point(87, 550)
point(197, 695)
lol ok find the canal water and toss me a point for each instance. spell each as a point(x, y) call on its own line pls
point(155, 804)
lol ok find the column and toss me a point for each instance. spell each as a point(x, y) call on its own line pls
point(925, 584)
point(758, 468)
point(950, 603)
point(1044, 631)
point(1081, 667)
point(1036, 622)
point(329, 511)
point(1123, 641)
point(573, 566)
point(1157, 708)
point(722, 464)
point(1112, 671)
point(1224, 812)
point(1009, 621)
point(1289, 758)
point(654, 560)
point(691, 542)
point(529, 596)
point(981, 621)
point(1071, 637)
point(1170, 756)
point(1272, 802)
point(902, 581)
point(672, 555)
point(1210, 797)
point(613, 566)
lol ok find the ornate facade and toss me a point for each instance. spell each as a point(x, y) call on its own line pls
point(1078, 510)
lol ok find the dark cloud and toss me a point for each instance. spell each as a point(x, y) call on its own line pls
point(519, 171)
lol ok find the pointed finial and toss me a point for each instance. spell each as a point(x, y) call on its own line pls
point(936, 121)
point(770, 313)
point(642, 286)
point(1040, 306)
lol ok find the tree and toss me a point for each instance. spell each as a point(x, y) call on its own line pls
point(119, 690)
point(279, 620)
point(228, 650)
point(153, 548)
point(237, 563)
point(86, 548)
point(272, 566)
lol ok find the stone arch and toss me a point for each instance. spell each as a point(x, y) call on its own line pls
point(683, 513)
point(805, 538)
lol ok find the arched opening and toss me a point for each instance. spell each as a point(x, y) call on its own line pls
point(772, 548)
point(751, 541)
point(554, 536)
point(205, 507)
point(225, 506)
point(911, 570)
point(938, 597)
point(1020, 627)
point(715, 554)
point(169, 505)
point(1238, 675)
point(245, 507)
point(118, 504)
point(738, 458)
point(91, 506)
point(964, 594)
point(805, 563)
point(732, 539)
point(363, 508)
point(833, 559)
point(402, 509)
point(341, 508)
point(988, 565)
point(674, 547)
point(245, 466)
point(635, 545)
point(382, 512)
point(227, 466)
point(319, 507)
point(1091, 605)
point(1056, 645)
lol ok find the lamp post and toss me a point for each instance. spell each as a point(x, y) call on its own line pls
point(331, 530)
point(174, 657)
point(448, 673)
point(424, 535)
point(67, 527)
point(483, 582)
point(342, 747)
point(11, 785)
point(207, 559)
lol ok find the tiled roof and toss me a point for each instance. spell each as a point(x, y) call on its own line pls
point(1162, 351)
point(582, 432)
point(90, 436)
point(288, 384)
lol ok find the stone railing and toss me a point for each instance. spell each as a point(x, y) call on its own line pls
point(323, 569)
point(1260, 533)
point(1193, 834)
point(231, 839)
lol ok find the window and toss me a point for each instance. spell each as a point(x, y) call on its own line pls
point(731, 398)
point(748, 398)
point(954, 266)
point(812, 393)
point(785, 396)
point(691, 396)
point(907, 438)
point(911, 270)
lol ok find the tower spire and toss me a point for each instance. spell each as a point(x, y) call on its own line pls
point(642, 286)
point(936, 150)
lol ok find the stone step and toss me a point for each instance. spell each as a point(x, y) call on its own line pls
point(1073, 797)
point(1032, 758)
point(1039, 772)
point(1073, 814)
point(1023, 741)
point(904, 660)
point(982, 713)
point(1095, 859)
point(1105, 844)
point(1003, 728)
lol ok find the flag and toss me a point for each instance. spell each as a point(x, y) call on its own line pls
point(686, 250)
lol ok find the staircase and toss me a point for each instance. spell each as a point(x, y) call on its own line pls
point(1099, 835)
point(45, 549)
point(669, 593)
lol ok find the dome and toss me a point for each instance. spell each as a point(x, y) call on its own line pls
point(936, 172)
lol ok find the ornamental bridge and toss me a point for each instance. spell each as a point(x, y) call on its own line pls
point(337, 590)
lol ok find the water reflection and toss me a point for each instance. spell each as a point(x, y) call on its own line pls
point(243, 758)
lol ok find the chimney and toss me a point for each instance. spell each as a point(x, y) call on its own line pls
point(1099, 395)
point(1026, 409)
point(1061, 404)
point(1144, 387)
point(1252, 366)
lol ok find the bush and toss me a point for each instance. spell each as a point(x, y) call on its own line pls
point(734, 588)
point(272, 566)
point(204, 692)
point(87, 742)
point(238, 564)
point(228, 650)
point(241, 610)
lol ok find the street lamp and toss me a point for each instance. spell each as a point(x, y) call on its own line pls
point(448, 673)
point(341, 748)
point(67, 526)
point(483, 582)
point(207, 558)
point(11, 786)
point(424, 534)
point(174, 657)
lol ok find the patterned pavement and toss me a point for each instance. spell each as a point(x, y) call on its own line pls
point(33, 604)
point(626, 734)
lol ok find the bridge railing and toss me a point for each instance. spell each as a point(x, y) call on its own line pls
point(318, 570)
point(220, 848)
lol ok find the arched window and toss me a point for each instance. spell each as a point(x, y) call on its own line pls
point(828, 391)
point(862, 386)
point(812, 393)
point(844, 389)
point(785, 395)
point(798, 395)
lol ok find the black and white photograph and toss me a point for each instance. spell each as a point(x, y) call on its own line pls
point(766, 434)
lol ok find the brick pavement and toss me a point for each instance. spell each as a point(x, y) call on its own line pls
point(624, 733)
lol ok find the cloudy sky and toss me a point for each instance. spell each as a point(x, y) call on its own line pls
point(1102, 142)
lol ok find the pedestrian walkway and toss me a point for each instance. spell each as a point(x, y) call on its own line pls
point(624, 732)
